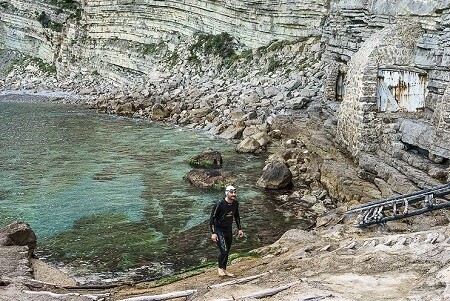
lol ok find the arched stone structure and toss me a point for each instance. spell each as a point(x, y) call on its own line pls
point(359, 124)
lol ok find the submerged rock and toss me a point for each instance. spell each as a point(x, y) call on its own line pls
point(207, 159)
point(206, 178)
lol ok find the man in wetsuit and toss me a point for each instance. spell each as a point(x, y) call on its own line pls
point(221, 223)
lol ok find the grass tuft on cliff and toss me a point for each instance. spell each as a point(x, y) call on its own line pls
point(43, 66)
point(46, 22)
point(65, 4)
point(220, 45)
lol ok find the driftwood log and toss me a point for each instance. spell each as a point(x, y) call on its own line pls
point(63, 296)
point(264, 293)
point(239, 281)
point(39, 284)
point(167, 296)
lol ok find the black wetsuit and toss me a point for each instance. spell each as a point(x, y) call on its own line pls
point(221, 223)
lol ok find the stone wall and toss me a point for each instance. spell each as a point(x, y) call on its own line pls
point(358, 121)
point(363, 36)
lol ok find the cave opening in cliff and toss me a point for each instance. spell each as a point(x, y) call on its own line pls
point(340, 86)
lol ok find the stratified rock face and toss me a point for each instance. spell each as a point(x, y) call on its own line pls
point(146, 21)
point(18, 234)
point(113, 35)
point(20, 28)
point(17, 243)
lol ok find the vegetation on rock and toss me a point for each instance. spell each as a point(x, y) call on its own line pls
point(43, 66)
point(65, 4)
point(46, 22)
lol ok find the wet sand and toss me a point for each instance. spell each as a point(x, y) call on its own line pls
point(47, 273)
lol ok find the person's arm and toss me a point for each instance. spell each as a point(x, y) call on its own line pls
point(212, 222)
point(237, 219)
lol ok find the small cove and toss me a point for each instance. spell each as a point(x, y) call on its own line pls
point(106, 195)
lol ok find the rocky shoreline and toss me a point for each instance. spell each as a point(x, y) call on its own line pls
point(333, 262)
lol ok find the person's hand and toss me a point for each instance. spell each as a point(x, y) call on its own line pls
point(240, 233)
point(214, 237)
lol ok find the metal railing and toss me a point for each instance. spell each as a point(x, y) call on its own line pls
point(398, 207)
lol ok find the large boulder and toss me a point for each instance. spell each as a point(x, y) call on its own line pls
point(233, 131)
point(206, 178)
point(159, 112)
point(276, 175)
point(248, 145)
point(18, 234)
point(207, 159)
point(126, 109)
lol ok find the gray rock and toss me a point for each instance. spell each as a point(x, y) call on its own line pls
point(233, 131)
point(248, 145)
point(207, 159)
point(276, 175)
point(297, 103)
point(18, 234)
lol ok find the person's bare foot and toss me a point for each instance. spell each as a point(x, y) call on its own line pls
point(221, 272)
point(229, 274)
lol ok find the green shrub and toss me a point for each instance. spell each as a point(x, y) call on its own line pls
point(153, 47)
point(220, 45)
point(43, 66)
point(273, 65)
point(76, 15)
point(247, 55)
point(65, 4)
point(277, 45)
point(173, 58)
point(193, 59)
point(228, 61)
point(46, 22)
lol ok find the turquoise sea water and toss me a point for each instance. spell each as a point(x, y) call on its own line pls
point(106, 195)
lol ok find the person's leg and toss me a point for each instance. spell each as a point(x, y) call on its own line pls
point(228, 241)
point(228, 237)
point(223, 255)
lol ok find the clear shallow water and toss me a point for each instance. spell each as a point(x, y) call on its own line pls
point(106, 195)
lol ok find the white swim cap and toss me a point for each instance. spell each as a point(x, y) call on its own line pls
point(229, 188)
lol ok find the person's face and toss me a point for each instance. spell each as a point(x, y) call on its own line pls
point(231, 194)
